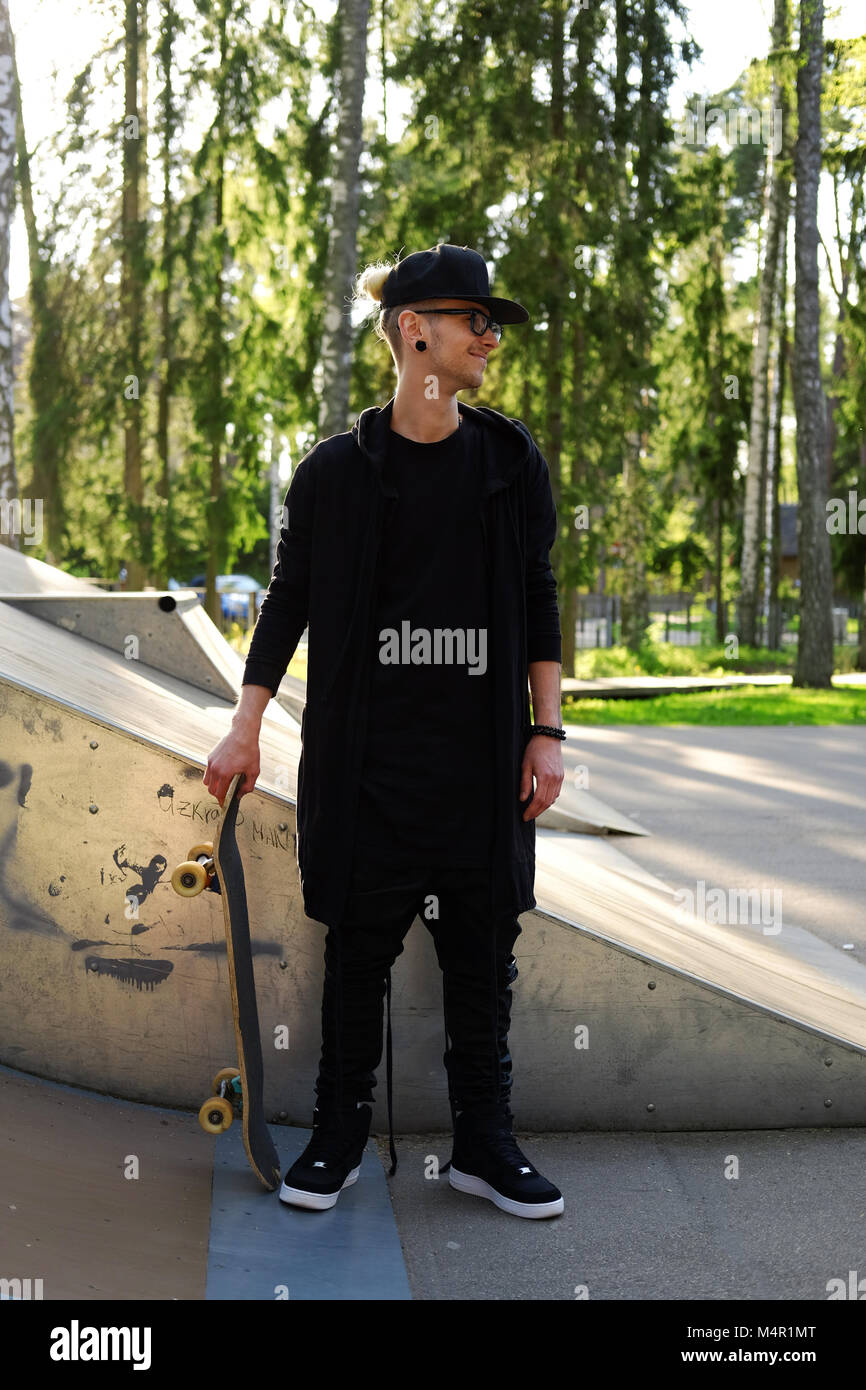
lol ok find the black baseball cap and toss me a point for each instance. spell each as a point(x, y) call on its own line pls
point(448, 272)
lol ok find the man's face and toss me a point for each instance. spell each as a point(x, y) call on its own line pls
point(455, 354)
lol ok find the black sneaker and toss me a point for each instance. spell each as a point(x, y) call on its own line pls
point(487, 1162)
point(331, 1160)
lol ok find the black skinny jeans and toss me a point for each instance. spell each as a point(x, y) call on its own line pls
point(474, 953)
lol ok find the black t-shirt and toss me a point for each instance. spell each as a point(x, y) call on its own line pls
point(426, 792)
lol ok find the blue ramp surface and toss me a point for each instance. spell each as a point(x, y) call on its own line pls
point(260, 1248)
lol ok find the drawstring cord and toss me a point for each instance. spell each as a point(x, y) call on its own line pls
point(389, 1066)
point(451, 1101)
point(338, 1017)
point(493, 981)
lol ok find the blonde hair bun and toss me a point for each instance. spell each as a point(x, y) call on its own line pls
point(371, 281)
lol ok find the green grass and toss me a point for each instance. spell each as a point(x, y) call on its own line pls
point(710, 659)
point(740, 705)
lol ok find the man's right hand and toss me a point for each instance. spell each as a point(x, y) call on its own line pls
point(239, 750)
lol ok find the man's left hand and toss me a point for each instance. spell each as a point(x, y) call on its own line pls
point(543, 761)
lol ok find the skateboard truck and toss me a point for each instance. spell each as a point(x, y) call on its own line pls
point(217, 1113)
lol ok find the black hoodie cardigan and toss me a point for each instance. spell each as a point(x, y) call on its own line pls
point(324, 578)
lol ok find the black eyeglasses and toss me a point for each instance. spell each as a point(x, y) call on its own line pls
point(478, 322)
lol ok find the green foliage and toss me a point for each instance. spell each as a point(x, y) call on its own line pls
point(659, 658)
point(686, 559)
point(542, 136)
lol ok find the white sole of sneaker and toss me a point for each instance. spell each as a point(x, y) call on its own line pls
point(467, 1182)
point(315, 1201)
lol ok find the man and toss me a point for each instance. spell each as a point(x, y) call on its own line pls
point(415, 547)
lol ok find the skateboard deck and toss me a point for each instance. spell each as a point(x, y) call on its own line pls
point(223, 871)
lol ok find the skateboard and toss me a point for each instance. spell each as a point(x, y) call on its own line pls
point(219, 867)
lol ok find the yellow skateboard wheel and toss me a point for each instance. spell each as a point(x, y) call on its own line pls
point(215, 1115)
point(226, 1074)
point(189, 879)
point(202, 851)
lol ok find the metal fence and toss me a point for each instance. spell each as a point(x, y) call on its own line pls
point(676, 620)
point(598, 618)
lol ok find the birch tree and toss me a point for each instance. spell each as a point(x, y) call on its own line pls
point(815, 647)
point(777, 195)
point(772, 531)
point(336, 350)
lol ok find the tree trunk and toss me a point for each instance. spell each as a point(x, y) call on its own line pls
point(773, 554)
point(861, 626)
point(815, 646)
point(131, 298)
point(582, 99)
point(848, 258)
point(833, 398)
point(569, 596)
point(635, 594)
point(758, 444)
point(48, 438)
point(166, 327)
point(10, 501)
point(217, 527)
point(557, 286)
point(276, 491)
point(643, 32)
point(526, 393)
point(336, 351)
point(718, 526)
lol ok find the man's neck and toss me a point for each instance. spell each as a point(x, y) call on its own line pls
point(424, 421)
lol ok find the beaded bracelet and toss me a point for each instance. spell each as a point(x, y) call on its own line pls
point(547, 729)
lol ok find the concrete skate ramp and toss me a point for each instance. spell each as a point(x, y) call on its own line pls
point(134, 698)
point(625, 1016)
point(582, 813)
point(169, 632)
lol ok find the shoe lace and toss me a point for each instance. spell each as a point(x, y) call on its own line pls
point(503, 1144)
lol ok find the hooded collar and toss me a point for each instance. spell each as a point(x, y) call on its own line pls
point(510, 440)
